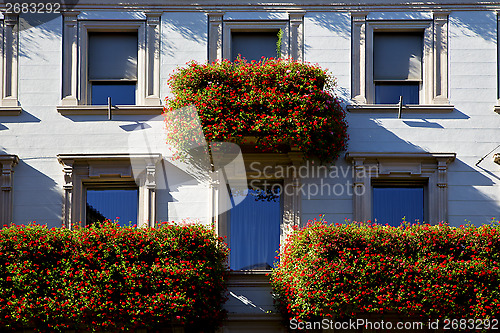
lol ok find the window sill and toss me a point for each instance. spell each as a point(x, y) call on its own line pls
point(392, 108)
point(10, 110)
point(103, 110)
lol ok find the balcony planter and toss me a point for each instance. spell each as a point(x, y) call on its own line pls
point(281, 102)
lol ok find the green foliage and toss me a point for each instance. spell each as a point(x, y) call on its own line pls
point(280, 102)
point(278, 43)
point(432, 271)
point(111, 278)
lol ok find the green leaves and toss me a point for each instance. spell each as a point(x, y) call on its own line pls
point(281, 102)
point(419, 270)
point(110, 278)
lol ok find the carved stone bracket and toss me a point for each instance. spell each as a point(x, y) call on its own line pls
point(428, 168)
point(7, 164)
point(83, 171)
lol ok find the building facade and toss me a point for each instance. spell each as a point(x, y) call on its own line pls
point(419, 81)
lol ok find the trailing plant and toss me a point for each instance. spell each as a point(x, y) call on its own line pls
point(431, 271)
point(111, 278)
point(278, 43)
point(282, 103)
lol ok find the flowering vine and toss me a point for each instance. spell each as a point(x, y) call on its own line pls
point(111, 278)
point(431, 271)
point(281, 103)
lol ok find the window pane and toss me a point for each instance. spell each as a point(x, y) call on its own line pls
point(397, 55)
point(110, 204)
point(254, 45)
point(391, 204)
point(389, 92)
point(255, 231)
point(112, 55)
point(121, 93)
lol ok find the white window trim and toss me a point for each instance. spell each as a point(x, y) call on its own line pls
point(75, 88)
point(9, 53)
point(292, 43)
point(430, 167)
point(291, 194)
point(434, 87)
point(82, 171)
point(7, 164)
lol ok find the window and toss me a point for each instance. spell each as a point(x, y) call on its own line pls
point(117, 59)
point(7, 164)
point(390, 186)
point(99, 186)
point(392, 203)
point(255, 228)
point(112, 203)
point(400, 58)
point(253, 39)
point(397, 66)
point(254, 45)
point(112, 67)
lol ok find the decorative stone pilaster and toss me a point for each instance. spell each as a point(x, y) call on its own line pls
point(215, 36)
point(440, 91)
point(10, 59)
point(7, 164)
point(153, 59)
point(358, 88)
point(297, 35)
point(70, 59)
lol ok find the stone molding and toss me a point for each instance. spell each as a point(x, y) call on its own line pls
point(7, 164)
point(90, 170)
point(431, 168)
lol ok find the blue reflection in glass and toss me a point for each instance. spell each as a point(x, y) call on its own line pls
point(121, 93)
point(388, 93)
point(391, 204)
point(110, 204)
point(255, 230)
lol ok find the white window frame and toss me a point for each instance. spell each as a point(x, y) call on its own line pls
point(410, 167)
point(83, 171)
point(434, 87)
point(7, 164)
point(75, 87)
point(290, 197)
point(9, 54)
point(292, 43)
point(96, 26)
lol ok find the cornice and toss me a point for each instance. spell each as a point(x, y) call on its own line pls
point(276, 5)
point(421, 156)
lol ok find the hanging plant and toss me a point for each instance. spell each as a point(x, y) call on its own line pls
point(282, 103)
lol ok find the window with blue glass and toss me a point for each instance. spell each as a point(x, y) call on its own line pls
point(120, 204)
point(254, 45)
point(112, 67)
point(397, 66)
point(393, 204)
point(254, 228)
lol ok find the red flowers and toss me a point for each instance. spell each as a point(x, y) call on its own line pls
point(281, 102)
point(420, 270)
point(111, 278)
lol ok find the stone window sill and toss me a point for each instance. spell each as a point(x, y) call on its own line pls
point(10, 110)
point(85, 110)
point(391, 108)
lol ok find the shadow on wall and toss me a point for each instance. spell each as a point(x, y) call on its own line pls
point(47, 27)
point(477, 25)
point(468, 186)
point(37, 197)
point(188, 29)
